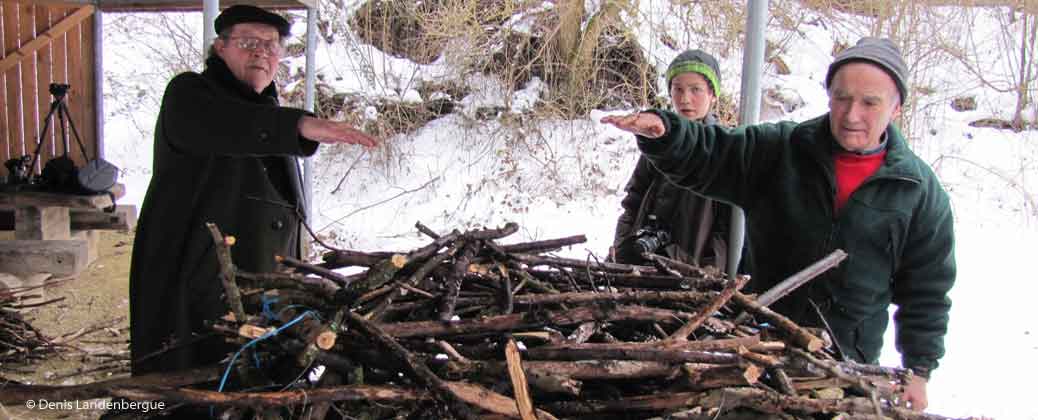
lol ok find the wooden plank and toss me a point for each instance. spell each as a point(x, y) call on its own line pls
point(74, 98)
point(43, 72)
point(173, 5)
point(30, 121)
point(59, 50)
point(17, 199)
point(59, 257)
point(3, 95)
point(194, 5)
point(42, 223)
point(12, 84)
point(45, 199)
point(31, 44)
point(124, 219)
point(87, 94)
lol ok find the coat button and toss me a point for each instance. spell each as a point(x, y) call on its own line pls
point(264, 136)
point(277, 225)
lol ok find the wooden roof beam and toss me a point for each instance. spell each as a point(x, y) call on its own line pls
point(194, 5)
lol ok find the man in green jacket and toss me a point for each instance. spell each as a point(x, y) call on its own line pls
point(845, 180)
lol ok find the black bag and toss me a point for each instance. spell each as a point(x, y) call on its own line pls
point(61, 175)
point(97, 175)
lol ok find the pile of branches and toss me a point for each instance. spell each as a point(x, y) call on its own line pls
point(20, 341)
point(465, 327)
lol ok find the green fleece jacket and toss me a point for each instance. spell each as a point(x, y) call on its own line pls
point(896, 228)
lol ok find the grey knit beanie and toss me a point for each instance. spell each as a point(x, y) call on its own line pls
point(696, 61)
point(879, 51)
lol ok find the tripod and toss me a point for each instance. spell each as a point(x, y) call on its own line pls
point(58, 106)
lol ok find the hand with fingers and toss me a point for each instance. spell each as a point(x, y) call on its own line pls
point(645, 124)
point(331, 132)
point(913, 395)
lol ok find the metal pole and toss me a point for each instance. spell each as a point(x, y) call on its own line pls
point(308, 102)
point(99, 83)
point(749, 111)
point(309, 86)
point(210, 9)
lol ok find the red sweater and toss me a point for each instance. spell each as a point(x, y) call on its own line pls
point(851, 170)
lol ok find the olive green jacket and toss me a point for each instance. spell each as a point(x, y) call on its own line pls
point(896, 228)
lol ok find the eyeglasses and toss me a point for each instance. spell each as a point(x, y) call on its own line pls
point(272, 47)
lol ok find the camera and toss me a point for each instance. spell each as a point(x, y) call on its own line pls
point(650, 240)
point(59, 89)
point(18, 170)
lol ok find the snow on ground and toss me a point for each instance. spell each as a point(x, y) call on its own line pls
point(559, 178)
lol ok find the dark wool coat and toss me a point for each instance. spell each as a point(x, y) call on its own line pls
point(223, 154)
point(679, 211)
point(896, 228)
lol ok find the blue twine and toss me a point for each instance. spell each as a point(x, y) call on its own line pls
point(268, 334)
point(267, 312)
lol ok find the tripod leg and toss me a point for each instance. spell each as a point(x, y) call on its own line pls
point(75, 133)
point(39, 144)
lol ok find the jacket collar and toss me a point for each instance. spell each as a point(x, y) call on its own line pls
point(818, 140)
point(216, 69)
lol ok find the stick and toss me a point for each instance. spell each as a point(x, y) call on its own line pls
point(519, 386)
point(425, 229)
point(415, 368)
point(339, 279)
point(794, 282)
point(682, 333)
point(461, 266)
point(18, 393)
point(543, 246)
point(799, 335)
point(271, 399)
point(502, 323)
point(223, 255)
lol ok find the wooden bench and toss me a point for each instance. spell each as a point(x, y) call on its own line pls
point(57, 233)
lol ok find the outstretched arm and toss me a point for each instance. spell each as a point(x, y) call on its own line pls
point(645, 124)
point(331, 132)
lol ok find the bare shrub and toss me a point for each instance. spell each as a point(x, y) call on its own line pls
point(1015, 41)
point(396, 28)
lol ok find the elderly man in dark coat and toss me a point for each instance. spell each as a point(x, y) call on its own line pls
point(844, 180)
point(225, 152)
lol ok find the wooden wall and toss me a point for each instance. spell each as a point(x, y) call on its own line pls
point(46, 44)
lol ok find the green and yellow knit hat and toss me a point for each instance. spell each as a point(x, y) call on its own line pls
point(696, 61)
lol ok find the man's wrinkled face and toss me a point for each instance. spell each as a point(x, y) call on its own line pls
point(863, 100)
point(251, 51)
point(691, 95)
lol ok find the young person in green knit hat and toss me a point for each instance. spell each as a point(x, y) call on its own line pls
point(675, 221)
point(845, 180)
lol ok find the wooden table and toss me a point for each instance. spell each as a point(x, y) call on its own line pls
point(58, 233)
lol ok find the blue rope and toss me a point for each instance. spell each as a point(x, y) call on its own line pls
point(267, 312)
point(268, 334)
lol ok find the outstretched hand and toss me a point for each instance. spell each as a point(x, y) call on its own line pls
point(328, 131)
point(645, 124)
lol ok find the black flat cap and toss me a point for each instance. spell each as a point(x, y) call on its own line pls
point(242, 13)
